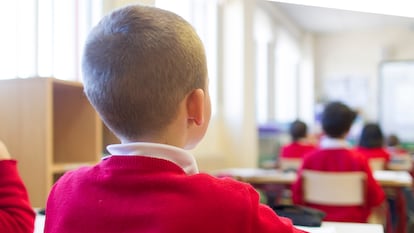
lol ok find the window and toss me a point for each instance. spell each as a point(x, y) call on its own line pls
point(277, 72)
point(45, 37)
point(202, 15)
point(286, 80)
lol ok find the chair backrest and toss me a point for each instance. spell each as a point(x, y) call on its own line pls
point(377, 163)
point(290, 163)
point(334, 188)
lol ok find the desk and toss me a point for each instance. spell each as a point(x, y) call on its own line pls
point(257, 176)
point(396, 180)
point(337, 227)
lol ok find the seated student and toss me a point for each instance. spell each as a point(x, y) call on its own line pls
point(371, 144)
point(16, 213)
point(300, 143)
point(336, 155)
point(393, 145)
point(400, 157)
point(290, 156)
point(145, 72)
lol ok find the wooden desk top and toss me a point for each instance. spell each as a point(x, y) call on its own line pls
point(273, 176)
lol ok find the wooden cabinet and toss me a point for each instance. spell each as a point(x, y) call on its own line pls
point(50, 127)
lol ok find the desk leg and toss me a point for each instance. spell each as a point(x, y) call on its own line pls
point(398, 211)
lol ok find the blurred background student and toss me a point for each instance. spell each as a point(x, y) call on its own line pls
point(291, 154)
point(394, 146)
point(371, 144)
point(16, 213)
point(300, 142)
point(335, 154)
point(400, 157)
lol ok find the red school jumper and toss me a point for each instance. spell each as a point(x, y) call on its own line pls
point(340, 159)
point(296, 150)
point(374, 153)
point(16, 213)
point(130, 194)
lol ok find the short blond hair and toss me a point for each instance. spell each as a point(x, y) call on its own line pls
point(139, 62)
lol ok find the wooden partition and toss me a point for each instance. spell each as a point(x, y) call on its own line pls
point(49, 126)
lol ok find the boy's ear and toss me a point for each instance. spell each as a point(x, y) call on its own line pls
point(195, 106)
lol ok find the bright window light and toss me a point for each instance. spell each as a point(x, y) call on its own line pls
point(45, 37)
point(202, 15)
point(387, 7)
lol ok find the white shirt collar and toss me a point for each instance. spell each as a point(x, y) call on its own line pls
point(333, 143)
point(171, 153)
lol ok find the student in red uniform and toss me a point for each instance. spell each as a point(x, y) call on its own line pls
point(394, 146)
point(336, 155)
point(371, 143)
point(400, 157)
point(16, 213)
point(300, 143)
point(145, 72)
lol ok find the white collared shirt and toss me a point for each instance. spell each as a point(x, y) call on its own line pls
point(333, 143)
point(173, 154)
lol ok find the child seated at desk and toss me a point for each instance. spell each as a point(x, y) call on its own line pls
point(145, 72)
point(300, 144)
point(291, 154)
point(371, 144)
point(336, 155)
point(400, 157)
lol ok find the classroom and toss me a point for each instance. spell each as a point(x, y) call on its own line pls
point(269, 63)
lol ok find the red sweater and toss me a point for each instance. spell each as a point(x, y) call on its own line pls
point(296, 150)
point(340, 159)
point(374, 153)
point(16, 213)
point(126, 194)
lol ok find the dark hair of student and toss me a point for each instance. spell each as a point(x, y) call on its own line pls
point(393, 140)
point(298, 130)
point(337, 119)
point(371, 136)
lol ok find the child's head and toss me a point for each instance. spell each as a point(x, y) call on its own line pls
point(142, 68)
point(371, 136)
point(337, 119)
point(298, 130)
point(393, 140)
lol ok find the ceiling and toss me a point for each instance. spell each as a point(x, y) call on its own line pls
point(327, 20)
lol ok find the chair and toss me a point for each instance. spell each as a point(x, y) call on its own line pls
point(339, 189)
point(287, 164)
point(334, 188)
point(377, 164)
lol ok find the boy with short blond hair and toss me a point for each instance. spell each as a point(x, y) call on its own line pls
point(145, 73)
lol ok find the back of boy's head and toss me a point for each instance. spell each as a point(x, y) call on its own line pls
point(337, 119)
point(298, 130)
point(371, 136)
point(393, 140)
point(139, 62)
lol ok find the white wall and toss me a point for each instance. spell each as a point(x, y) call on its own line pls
point(231, 139)
point(358, 55)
